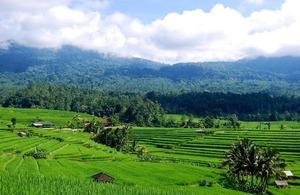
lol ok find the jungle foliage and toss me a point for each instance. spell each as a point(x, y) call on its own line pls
point(148, 109)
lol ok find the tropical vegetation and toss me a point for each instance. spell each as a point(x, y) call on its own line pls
point(250, 167)
point(147, 109)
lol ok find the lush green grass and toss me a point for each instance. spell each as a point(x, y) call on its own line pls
point(275, 125)
point(26, 117)
point(29, 184)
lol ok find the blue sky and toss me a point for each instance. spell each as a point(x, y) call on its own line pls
point(169, 31)
point(149, 10)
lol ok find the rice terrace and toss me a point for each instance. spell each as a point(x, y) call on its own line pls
point(178, 160)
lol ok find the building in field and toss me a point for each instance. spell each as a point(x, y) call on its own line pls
point(200, 131)
point(105, 123)
point(103, 177)
point(22, 134)
point(42, 124)
point(281, 183)
point(288, 174)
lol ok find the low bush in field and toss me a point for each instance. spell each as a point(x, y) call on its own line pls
point(149, 158)
point(37, 153)
point(205, 182)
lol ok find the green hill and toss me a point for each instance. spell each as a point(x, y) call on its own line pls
point(20, 65)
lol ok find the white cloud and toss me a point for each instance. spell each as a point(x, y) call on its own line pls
point(220, 34)
point(29, 5)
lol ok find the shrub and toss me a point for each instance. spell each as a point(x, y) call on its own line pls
point(149, 158)
point(37, 153)
point(205, 182)
point(202, 182)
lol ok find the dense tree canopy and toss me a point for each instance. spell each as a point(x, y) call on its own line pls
point(147, 109)
point(126, 107)
point(252, 106)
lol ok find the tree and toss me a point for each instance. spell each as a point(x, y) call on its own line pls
point(114, 120)
point(123, 138)
point(13, 121)
point(190, 121)
point(79, 121)
point(183, 120)
point(116, 138)
point(208, 122)
point(94, 127)
point(241, 162)
point(143, 112)
point(274, 116)
point(233, 121)
point(250, 168)
point(269, 163)
point(137, 149)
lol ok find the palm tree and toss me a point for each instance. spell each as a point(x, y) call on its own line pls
point(270, 164)
point(250, 163)
point(242, 161)
point(245, 159)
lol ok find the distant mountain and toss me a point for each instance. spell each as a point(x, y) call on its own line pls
point(68, 65)
point(19, 59)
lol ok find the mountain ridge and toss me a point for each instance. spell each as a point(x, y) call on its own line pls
point(20, 65)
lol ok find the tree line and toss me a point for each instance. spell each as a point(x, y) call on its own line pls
point(148, 109)
point(132, 108)
point(248, 107)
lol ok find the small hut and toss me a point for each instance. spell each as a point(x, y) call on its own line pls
point(105, 123)
point(87, 145)
point(288, 174)
point(281, 183)
point(200, 131)
point(103, 177)
point(42, 124)
point(22, 134)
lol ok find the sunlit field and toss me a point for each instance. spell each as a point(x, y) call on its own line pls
point(180, 160)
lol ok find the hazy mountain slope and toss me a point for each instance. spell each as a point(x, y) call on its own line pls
point(21, 65)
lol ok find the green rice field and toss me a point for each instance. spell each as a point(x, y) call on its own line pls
point(184, 158)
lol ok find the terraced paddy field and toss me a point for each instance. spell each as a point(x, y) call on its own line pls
point(186, 145)
point(184, 158)
point(26, 117)
point(70, 162)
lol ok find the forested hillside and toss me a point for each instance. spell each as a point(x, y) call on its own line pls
point(20, 66)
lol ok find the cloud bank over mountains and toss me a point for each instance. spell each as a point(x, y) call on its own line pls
point(220, 34)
